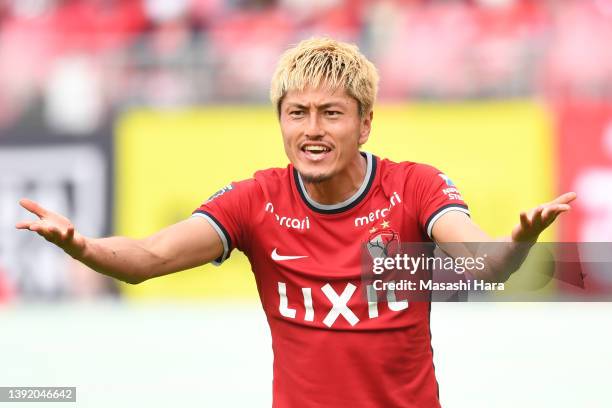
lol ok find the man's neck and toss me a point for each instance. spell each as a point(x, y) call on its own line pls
point(341, 186)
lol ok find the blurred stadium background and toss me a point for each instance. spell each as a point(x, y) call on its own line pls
point(126, 114)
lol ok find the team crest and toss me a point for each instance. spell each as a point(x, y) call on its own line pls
point(383, 243)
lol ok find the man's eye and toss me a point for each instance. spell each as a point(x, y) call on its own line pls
point(332, 113)
point(296, 113)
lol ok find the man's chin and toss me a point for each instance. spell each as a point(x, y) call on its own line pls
point(312, 178)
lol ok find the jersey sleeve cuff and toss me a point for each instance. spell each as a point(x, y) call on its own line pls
point(218, 227)
point(440, 212)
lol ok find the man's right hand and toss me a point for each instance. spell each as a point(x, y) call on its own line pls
point(53, 227)
point(186, 244)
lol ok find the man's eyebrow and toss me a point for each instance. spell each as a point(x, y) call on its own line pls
point(321, 107)
point(331, 105)
point(296, 105)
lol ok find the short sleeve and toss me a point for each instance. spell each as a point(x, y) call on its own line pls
point(436, 195)
point(227, 211)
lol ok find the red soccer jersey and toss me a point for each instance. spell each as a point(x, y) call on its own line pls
point(332, 347)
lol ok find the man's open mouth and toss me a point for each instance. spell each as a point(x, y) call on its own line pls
point(315, 152)
point(315, 149)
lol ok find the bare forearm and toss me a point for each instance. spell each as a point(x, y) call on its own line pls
point(503, 258)
point(122, 258)
point(506, 255)
point(186, 244)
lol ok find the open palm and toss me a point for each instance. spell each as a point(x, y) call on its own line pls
point(538, 219)
point(53, 227)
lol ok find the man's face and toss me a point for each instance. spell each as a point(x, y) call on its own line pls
point(322, 131)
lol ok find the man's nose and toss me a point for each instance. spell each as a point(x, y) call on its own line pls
point(313, 126)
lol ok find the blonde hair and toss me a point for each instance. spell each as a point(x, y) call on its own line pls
point(325, 62)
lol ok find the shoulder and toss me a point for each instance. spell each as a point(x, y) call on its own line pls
point(407, 171)
point(263, 184)
point(273, 180)
point(261, 178)
point(273, 174)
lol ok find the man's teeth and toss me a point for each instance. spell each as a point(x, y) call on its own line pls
point(316, 149)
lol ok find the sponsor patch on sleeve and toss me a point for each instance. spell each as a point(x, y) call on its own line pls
point(451, 191)
point(448, 181)
point(220, 192)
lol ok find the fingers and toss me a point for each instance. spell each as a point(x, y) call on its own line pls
point(69, 233)
point(53, 227)
point(565, 198)
point(54, 235)
point(24, 224)
point(532, 221)
point(538, 219)
point(545, 214)
point(33, 207)
point(536, 216)
point(524, 220)
point(555, 209)
point(550, 214)
point(533, 218)
point(49, 232)
point(35, 226)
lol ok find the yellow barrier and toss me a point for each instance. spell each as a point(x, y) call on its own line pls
point(498, 154)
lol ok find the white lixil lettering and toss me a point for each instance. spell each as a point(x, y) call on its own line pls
point(339, 303)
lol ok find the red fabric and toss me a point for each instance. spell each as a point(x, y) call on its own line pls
point(368, 360)
point(6, 292)
point(96, 26)
point(579, 59)
point(585, 166)
point(585, 163)
point(249, 39)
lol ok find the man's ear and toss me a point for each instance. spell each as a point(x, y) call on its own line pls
point(365, 127)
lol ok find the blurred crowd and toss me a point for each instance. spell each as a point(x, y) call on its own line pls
point(70, 63)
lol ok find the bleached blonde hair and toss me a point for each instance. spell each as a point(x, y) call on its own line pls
point(329, 63)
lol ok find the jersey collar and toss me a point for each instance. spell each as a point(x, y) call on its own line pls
point(346, 204)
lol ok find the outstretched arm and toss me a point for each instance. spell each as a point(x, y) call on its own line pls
point(456, 227)
point(184, 245)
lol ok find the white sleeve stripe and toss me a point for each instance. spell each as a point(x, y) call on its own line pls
point(441, 213)
point(221, 235)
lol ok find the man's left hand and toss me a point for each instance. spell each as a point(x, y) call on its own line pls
point(538, 219)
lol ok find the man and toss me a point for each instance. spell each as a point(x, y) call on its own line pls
point(303, 228)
